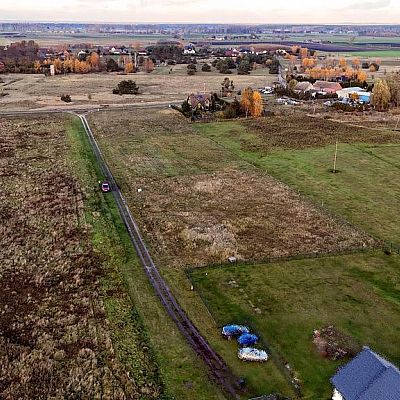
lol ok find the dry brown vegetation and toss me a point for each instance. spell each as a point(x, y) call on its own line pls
point(301, 131)
point(37, 91)
point(199, 204)
point(55, 339)
point(204, 219)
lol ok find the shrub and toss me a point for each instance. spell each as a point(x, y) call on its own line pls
point(126, 87)
point(206, 68)
point(66, 98)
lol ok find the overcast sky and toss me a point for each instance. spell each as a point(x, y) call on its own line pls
point(228, 11)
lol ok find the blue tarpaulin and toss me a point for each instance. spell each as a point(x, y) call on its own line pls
point(234, 330)
point(247, 339)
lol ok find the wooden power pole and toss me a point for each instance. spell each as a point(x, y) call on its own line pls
point(335, 158)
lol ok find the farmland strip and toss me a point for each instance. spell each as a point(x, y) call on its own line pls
point(218, 370)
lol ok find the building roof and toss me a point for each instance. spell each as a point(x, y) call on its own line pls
point(353, 89)
point(303, 86)
point(327, 85)
point(368, 377)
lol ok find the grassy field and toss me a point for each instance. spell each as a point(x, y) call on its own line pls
point(199, 204)
point(38, 91)
point(395, 53)
point(285, 302)
point(209, 180)
point(366, 170)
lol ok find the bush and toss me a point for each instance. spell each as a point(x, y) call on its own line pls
point(66, 98)
point(206, 68)
point(126, 87)
point(112, 65)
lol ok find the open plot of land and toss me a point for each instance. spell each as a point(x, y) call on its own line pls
point(197, 204)
point(366, 189)
point(38, 91)
point(285, 302)
point(67, 328)
point(67, 267)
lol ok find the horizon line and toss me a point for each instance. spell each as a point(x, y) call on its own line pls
point(197, 23)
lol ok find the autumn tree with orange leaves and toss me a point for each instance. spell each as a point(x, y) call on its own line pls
point(251, 102)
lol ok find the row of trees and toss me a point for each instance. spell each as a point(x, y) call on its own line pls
point(92, 63)
point(386, 92)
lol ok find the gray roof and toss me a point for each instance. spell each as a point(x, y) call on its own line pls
point(368, 377)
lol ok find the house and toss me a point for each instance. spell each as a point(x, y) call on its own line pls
point(303, 87)
point(367, 377)
point(327, 87)
point(200, 101)
point(189, 49)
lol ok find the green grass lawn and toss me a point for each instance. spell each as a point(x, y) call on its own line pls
point(366, 190)
point(374, 53)
point(138, 320)
point(284, 302)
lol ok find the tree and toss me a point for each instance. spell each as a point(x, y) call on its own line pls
point(257, 106)
point(129, 67)
point(247, 100)
point(274, 66)
point(126, 87)
point(227, 86)
point(206, 67)
point(244, 67)
point(58, 64)
point(356, 63)
point(38, 66)
point(292, 84)
point(303, 52)
point(251, 102)
point(393, 81)
point(342, 63)
point(148, 65)
point(374, 67)
point(112, 65)
point(381, 95)
point(66, 98)
point(94, 61)
point(361, 76)
point(191, 69)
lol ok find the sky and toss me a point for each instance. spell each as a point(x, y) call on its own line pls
point(211, 11)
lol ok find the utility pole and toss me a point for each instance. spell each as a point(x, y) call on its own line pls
point(335, 158)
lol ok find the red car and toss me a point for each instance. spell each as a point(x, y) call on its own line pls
point(105, 187)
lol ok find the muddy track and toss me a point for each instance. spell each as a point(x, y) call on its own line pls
point(218, 370)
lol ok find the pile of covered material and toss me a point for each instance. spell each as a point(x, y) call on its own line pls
point(245, 340)
point(230, 331)
point(252, 354)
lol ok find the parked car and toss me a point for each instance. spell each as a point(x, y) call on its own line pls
point(105, 187)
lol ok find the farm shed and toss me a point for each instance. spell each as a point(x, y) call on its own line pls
point(367, 377)
point(303, 87)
